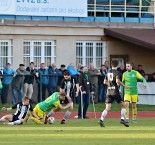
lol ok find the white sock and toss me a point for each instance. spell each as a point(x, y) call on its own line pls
point(2, 119)
point(17, 122)
point(51, 113)
point(104, 114)
point(123, 112)
point(10, 123)
point(67, 114)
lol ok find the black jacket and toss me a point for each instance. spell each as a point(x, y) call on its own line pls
point(86, 84)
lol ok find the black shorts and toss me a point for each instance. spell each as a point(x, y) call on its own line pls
point(14, 118)
point(65, 101)
point(111, 98)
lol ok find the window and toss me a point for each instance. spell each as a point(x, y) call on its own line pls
point(39, 52)
point(90, 52)
point(5, 52)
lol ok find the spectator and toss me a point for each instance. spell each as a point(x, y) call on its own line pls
point(29, 79)
point(53, 78)
point(79, 65)
point(86, 88)
point(107, 66)
point(140, 70)
point(7, 78)
point(42, 80)
point(102, 86)
point(1, 86)
point(93, 72)
point(121, 70)
point(17, 84)
point(152, 79)
point(60, 78)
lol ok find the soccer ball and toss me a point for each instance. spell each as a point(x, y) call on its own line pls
point(51, 120)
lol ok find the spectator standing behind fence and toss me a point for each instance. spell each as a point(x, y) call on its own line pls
point(29, 79)
point(7, 78)
point(17, 84)
point(102, 86)
point(1, 86)
point(140, 70)
point(62, 69)
point(93, 72)
point(86, 87)
point(42, 80)
point(53, 78)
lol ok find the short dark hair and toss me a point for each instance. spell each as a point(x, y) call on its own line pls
point(66, 73)
point(21, 64)
point(62, 65)
point(31, 63)
point(62, 93)
point(139, 65)
point(114, 63)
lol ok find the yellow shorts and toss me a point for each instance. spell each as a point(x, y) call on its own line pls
point(39, 112)
point(131, 98)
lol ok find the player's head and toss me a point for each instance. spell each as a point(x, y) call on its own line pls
point(25, 100)
point(67, 75)
point(114, 63)
point(128, 66)
point(62, 95)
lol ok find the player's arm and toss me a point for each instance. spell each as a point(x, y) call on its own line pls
point(77, 89)
point(121, 84)
point(140, 77)
point(64, 107)
point(106, 80)
point(6, 109)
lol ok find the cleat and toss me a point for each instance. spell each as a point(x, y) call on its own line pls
point(46, 120)
point(101, 123)
point(134, 121)
point(63, 121)
point(127, 120)
point(124, 123)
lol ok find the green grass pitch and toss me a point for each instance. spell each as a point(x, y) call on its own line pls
point(80, 132)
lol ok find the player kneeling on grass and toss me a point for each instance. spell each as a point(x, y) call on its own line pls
point(111, 80)
point(69, 85)
point(54, 100)
point(22, 109)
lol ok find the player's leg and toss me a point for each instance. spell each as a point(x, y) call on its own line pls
point(6, 118)
point(67, 114)
point(127, 100)
point(51, 113)
point(134, 99)
point(108, 102)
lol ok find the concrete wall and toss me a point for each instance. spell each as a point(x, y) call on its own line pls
point(137, 54)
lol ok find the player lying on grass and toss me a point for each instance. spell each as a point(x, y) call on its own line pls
point(18, 117)
point(45, 106)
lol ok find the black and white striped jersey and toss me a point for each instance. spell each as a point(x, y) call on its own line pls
point(22, 110)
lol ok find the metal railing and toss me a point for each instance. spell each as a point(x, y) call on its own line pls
point(121, 8)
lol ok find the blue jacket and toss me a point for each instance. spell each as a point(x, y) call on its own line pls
point(7, 79)
point(45, 79)
point(53, 79)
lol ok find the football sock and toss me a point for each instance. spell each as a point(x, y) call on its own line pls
point(17, 122)
point(123, 112)
point(67, 114)
point(127, 113)
point(37, 121)
point(104, 113)
point(134, 113)
point(51, 113)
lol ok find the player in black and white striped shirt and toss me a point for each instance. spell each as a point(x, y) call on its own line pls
point(18, 117)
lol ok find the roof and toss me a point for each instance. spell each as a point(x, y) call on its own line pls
point(142, 37)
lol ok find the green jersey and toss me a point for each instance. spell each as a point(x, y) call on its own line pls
point(51, 101)
point(130, 80)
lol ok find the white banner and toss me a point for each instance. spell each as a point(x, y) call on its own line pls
point(68, 8)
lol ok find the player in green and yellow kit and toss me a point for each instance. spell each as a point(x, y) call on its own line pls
point(130, 78)
point(52, 101)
